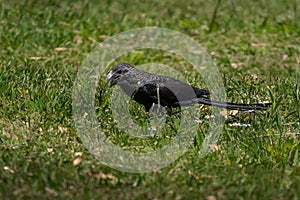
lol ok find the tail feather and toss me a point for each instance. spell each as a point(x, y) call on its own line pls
point(233, 106)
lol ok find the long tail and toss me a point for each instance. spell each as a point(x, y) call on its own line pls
point(234, 106)
point(227, 105)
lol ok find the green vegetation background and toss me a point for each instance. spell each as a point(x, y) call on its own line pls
point(255, 45)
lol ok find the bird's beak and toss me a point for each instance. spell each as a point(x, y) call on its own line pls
point(111, 79)
point(109, 75)
point(112, 82)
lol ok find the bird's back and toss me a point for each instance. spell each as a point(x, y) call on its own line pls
point(148, 88)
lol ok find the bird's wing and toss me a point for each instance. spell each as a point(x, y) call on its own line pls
point(169, 92)
point(183, 87)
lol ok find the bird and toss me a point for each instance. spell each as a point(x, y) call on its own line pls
point(151, 89)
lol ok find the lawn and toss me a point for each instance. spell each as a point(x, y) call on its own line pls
point(254, 44)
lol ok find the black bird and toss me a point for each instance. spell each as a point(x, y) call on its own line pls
point(149, 89)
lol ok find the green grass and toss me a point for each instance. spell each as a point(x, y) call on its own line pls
point(256, 46)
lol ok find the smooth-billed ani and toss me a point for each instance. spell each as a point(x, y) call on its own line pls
point(149, 89)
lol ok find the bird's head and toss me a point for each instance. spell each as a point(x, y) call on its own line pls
point(114, 75)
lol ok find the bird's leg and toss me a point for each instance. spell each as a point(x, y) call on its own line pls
point(169, 111)
point(157, 111)
point(157, 115)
